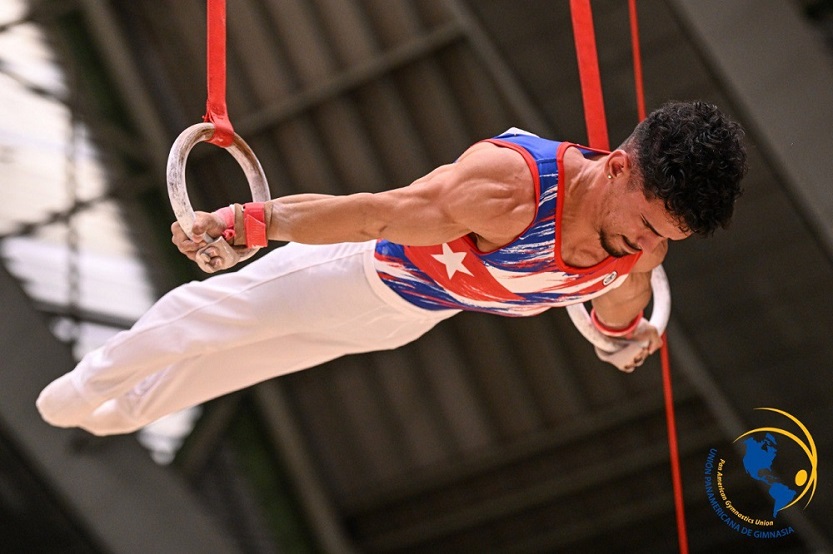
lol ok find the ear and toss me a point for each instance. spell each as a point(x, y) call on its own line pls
point(618, 164)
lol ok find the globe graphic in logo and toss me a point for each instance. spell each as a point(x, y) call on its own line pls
point(761, 451)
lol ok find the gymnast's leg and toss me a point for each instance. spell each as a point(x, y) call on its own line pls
point(292, 292)
point(200, 378)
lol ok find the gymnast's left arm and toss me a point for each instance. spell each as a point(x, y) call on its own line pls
point(619, 313)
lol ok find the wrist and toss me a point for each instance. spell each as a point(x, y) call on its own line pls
point(246, 225)
point(227, 217)
point(626, 331)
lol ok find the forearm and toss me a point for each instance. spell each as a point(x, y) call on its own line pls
point(485, 193)
point(619, 307)
point(324, 219)
point(318, 218)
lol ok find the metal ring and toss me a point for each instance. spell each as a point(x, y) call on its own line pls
point(177, 189)
point(659, 314)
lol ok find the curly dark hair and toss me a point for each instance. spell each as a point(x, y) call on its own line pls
point(691, 156)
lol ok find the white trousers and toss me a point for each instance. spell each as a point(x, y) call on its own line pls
point(295, 308)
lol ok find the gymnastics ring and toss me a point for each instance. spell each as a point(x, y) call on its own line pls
point(178, 191)
point(659, 315)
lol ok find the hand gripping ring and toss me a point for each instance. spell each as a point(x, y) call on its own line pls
point(178, 192)
point(659, 315)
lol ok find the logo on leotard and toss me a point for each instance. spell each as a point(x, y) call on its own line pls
point(610, 278)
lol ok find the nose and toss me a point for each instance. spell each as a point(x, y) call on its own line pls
point(649, 242)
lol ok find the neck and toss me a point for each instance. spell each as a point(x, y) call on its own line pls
point(583, 189)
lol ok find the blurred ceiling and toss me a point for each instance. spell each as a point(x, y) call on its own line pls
point(487, 435)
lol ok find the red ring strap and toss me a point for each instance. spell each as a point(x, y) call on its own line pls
point(216, 111)
point(589, 75)
point(591, 88)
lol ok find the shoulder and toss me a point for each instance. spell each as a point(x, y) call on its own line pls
point(489, 190)
point(482, 171)
point(494, 173)
point(495, 162)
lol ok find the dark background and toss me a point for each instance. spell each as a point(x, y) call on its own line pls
point(489, 434)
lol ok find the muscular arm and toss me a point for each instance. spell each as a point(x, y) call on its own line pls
point(621, 305)
point(488, 191)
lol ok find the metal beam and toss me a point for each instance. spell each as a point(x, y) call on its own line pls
point(284, 432)
point(84, 315)
point(119, 61)
point(646, 406)
point(531, 116)
point(206, 437)
point(116, 138)
point(352, 78)
point(593, 476)
point(121, 189)
point(111, 486)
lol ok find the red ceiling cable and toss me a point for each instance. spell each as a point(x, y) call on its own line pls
point(668, 393)
point(591, 88)
point(216, 111)
point(589, 75)
point(637, 60)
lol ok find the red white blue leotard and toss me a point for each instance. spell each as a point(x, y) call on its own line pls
point(524, 277)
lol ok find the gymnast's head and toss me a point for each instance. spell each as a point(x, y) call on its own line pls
point(690, 156)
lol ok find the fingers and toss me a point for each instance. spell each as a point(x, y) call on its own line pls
point(204, 224)
point(209, 254)
point(212, 257)
point(655, 344)
point(649, 333)
point(184, 243)
point(638, 360)
point(631, 355)
point(200, 226)
point(219, 255)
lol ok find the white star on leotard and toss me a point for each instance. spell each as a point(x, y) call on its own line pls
point(453, 261)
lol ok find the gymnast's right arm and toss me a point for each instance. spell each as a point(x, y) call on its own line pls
point(488, 192)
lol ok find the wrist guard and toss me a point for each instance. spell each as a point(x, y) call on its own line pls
point(246, 225)
point(622, 332)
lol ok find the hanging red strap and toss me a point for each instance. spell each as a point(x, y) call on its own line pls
point(670, 420)
point(594, 114)
point(637, 60)
point(589, 75)
point(216, 111)
point(668, 393)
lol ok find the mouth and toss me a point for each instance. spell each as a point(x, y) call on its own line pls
point(618, 250)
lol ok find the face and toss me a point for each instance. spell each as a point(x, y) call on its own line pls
point(633, 224)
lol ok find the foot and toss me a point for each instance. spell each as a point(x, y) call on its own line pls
point(60, 404)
